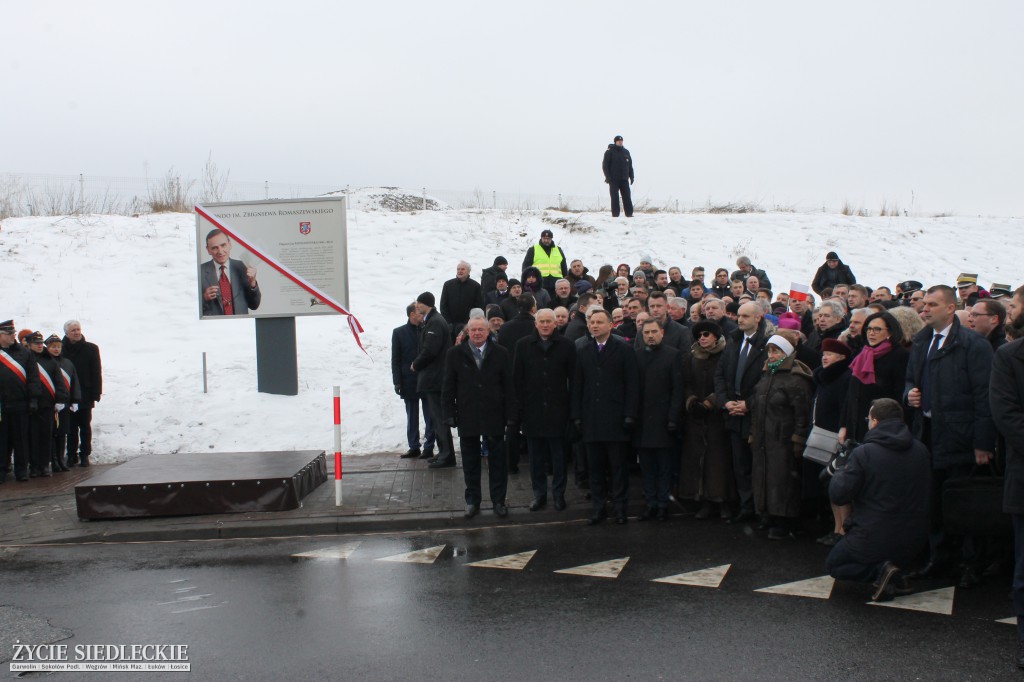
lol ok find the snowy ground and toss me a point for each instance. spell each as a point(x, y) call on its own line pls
point(132, 283)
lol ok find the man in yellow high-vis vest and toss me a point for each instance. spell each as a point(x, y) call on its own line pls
point(549, 259)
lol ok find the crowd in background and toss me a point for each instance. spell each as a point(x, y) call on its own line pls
point(783, 407)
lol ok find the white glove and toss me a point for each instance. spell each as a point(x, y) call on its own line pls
point(74, 407)
point(58, 407)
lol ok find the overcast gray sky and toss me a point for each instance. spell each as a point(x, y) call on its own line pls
point(800, 103)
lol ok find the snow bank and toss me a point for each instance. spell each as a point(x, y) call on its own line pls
point(132, 283)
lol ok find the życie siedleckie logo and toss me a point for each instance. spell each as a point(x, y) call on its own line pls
point(315, 301)
point(305, 228)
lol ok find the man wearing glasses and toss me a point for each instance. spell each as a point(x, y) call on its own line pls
point(988, 317)
point(19, 395)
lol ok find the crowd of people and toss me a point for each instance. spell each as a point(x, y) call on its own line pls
point(837, 403)
point(48, 388)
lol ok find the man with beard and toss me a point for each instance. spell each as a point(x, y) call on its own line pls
point(618, 174)
point(1007, 401)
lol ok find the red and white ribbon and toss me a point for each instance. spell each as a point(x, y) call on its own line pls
point(287, 272)
point(13, 365)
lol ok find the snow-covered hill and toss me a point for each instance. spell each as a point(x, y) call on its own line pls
point(132, 283)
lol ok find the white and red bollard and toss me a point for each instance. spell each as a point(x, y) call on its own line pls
point(337, 446)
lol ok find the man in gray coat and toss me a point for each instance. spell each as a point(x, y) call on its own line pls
point(226, 286)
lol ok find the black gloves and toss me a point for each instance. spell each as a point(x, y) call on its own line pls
point(398, 390)
point(696, 408)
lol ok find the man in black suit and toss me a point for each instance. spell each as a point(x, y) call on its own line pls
point(948, 383)
point(459, 296)
point(404, 348)
point(605, 401)
point(479, 400)
point(735, 378)
point(519, 327)
point(543, 369)
point(227, 286)
point(435, 340)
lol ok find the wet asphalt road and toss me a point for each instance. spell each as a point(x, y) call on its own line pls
point(249, 610)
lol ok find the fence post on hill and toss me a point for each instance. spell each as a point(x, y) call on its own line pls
point(337, 446)
point(424, 198)
point(494, 199)
point(204, 373)
point(266, 189)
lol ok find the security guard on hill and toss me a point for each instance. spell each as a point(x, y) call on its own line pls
point(549, 259)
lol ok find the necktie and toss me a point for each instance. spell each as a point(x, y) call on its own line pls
point(600, 347)
point(741, 363)
point(926, 389)
point(226, 298)
point(478, 356)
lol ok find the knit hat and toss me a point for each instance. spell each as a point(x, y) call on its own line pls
point(789, 321)
point(426, 298)
point(514, 283)
point(836, 346)
point(582, 285)
point(547, 233)
point(831, 255)
point(24, 334)
point(645, 258)
point(51, 339)
point(617, 138)
point(500, 260)
point(495, 312)
point(500, 276)
point(706, 326)
point(782, 344)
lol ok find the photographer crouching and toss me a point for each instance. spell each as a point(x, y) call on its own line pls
point(887, 481)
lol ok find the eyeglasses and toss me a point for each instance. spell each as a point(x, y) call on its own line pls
point(877, 330)
point(703, 334)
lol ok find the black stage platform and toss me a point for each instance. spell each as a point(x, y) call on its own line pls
point(202, 483)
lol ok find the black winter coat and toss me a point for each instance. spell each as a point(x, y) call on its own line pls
point(617, 164)
point(828, 278)
point(51, 367)
point(832, 385)
point(725, 376)
point(890, 377)
point(816, 337)
point(605, 390)
point(1006, 396)
point(458, 298)
point(435, 340)
point(543, 380)
point(16, 393)
point(887, 481)
point(519, 327)
point(676, 335)
point(661, 397)
point(86, 358)
point(70, 377)
point(762, 277)
point(405, 341)
point(577, 327)
point(489, 277)
point(481, 401)
point(958, 377)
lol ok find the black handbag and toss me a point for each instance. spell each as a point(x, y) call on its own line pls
point(973, 504)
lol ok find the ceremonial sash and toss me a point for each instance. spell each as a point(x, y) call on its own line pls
point(47, 382)
point(12, 364)
point(67, 379)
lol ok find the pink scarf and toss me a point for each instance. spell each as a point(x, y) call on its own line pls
point(863, 366)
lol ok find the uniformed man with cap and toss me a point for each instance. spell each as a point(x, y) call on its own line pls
point(52, 401)
point(1000, 290)
point(69, 377)
point(19, 396)
point(968, 291)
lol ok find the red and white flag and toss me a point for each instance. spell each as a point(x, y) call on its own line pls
point(799, 292)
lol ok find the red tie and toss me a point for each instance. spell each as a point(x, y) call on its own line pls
point(226, 298)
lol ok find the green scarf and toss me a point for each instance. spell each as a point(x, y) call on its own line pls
point(772, 366)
